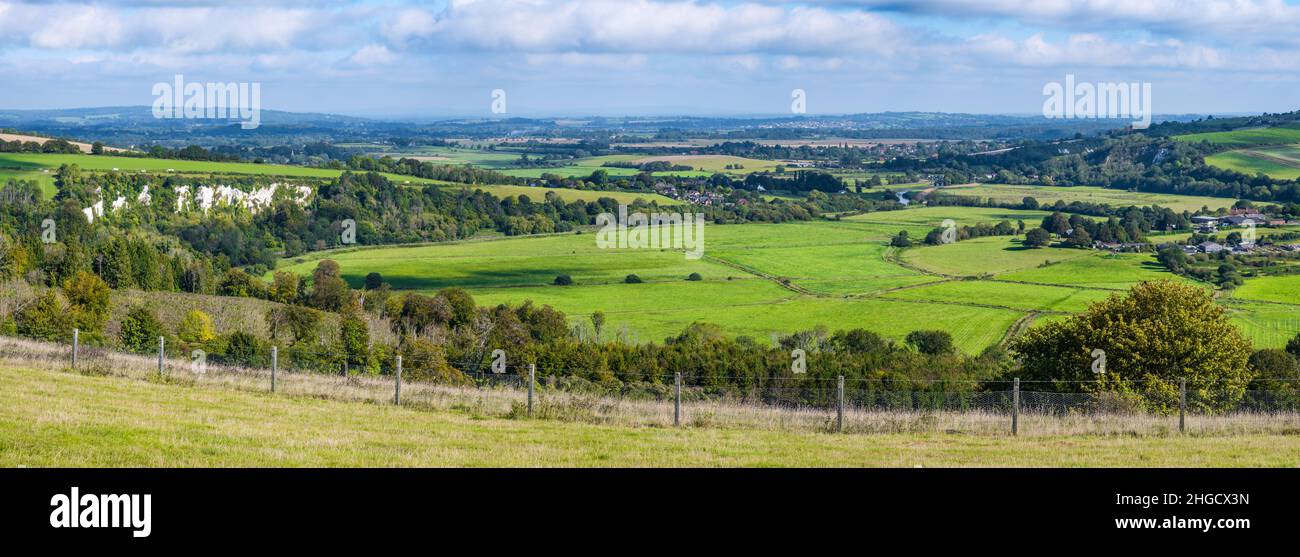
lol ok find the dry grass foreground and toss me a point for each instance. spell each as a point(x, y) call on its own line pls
point(51, 417)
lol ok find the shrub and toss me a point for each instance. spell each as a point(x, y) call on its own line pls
point(88, 300)
point(46, 319)
point(632, 279)
point(563, 280)
point(373, 280)
point(245, 349)
point(196, 327)
point(933, 343)
point(694, 277)
point(140, 330)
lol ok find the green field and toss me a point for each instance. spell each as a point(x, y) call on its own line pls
point(760, 279)
point(50, 418)
point(1246, 138)
point(1274, 152)
point(503, 160)
point(44, 179)
point(1258, 161)
point(1282, 289)
point(1006, 193)
point(32, 163)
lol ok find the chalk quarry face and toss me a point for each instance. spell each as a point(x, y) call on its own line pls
point(203, 198)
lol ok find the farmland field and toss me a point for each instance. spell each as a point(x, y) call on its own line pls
point(1260, 160)
point(31, 163)
point(44, 179)
point(1006, 193)
point(760, 279)
point(1246, 138)
point(121, 422)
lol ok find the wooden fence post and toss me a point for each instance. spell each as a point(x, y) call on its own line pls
point(1015, 407)
point(1182, 405)
point(162, 346)
point(397, 385)
point(75, 338)
point(532, 381)
point(839, 398)
point(275, 363)
point(677, 399)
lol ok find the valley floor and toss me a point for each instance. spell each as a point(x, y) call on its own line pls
point(57, 418)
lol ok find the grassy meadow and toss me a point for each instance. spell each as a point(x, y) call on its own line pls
point(1274, 152)
point(31, 164)
point(51, 418)
point(761, 279)
point(1257, 161)
point(1007, 193)
point(1248, 137)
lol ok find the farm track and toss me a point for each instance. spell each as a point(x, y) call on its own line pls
point(1019, 327)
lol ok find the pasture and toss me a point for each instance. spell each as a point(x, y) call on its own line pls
point(1277, 162)
point(30, 163)
point(1247, 137)
point(757, 279)
point(760, 279)
point(1007, 193)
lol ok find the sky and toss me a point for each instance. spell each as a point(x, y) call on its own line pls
point(391, 58)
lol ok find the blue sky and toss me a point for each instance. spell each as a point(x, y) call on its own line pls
point(629, 57)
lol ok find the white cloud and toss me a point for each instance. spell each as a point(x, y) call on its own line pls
point(644, 26)
point(372, 55)
point(1236, 21)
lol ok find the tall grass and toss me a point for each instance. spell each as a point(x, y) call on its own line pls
point(510, 402)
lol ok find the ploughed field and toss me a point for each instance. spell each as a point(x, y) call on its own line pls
point(760, 279)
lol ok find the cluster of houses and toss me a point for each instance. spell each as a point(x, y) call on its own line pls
point(705, 198)
point(1207, 224)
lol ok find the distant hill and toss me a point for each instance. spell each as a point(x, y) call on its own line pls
point(85, 147)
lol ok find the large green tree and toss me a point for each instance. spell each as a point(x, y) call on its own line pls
point(1158, 334)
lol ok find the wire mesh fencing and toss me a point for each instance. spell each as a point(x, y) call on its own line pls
point(809, 404)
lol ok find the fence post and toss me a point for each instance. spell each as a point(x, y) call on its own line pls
point(161, 347)
point(677, 399)
point(839, 397)
point(345, 366)
point(75, 337)
point(1015, 407)
point(275, 363)
point(397, 385)
point(532, 381)
point(1182, 405)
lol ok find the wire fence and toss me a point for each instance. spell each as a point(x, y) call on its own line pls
point(810, 403)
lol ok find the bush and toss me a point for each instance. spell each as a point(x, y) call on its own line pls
point(373, 280)
point(88, 300)
point(632, 279)
point(563, 280)
point(694, 277)
point(933, 343)
point(196, 327)
point(245, 349)
point(140, 330)
point(46, 319)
